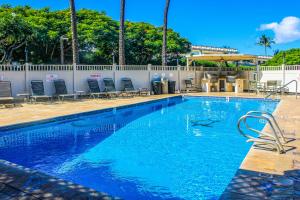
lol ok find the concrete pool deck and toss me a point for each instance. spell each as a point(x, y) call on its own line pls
point(258, 171)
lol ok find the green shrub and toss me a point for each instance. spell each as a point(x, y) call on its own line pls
point(292, 57)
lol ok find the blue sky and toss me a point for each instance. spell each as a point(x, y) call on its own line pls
point(232, 23)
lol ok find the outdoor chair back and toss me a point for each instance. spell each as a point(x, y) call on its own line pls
point(37, 88)
point(60, 87)
point(188, 83)
point(273, 83)
point(109, 85)
point(93, 86)
point(126, 84)
point(5, 89)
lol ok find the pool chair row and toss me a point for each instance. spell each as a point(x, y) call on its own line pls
point(38, 91)
point(61, 92)
point(127, 89)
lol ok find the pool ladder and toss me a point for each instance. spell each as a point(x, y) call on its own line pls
point(274, 139)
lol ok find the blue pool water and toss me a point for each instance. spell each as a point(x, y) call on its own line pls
point(177, 148)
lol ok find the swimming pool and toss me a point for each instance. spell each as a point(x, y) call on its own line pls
point(175, 148)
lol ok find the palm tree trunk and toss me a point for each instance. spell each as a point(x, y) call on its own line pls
point(266, 51)
point(74, 33)
point(121, 34)
point(165, 29)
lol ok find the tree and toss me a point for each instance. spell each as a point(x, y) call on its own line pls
point(74, 33)
point(14, 33)
point(121, 34)
point(276, 51)
point(291, 57)
point(97, 37)
point(165, 29)
point(266, 42)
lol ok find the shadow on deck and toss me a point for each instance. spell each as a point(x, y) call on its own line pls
point(253, 185)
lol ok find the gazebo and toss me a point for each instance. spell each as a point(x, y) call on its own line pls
point(222, 83)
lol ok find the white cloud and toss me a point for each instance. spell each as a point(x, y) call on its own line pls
point(288, 30)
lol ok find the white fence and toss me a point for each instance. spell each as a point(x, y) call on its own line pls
point(283, 74)
point(141, 75)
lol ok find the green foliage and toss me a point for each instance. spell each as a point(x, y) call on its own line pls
point(205, 63)
point(97, 33)
point(292, 57)
point(14, 33)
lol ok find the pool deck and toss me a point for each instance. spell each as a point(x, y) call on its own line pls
point(262, 175)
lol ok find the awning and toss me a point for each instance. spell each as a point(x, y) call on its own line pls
point(222, 57)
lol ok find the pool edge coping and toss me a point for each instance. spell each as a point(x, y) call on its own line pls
point(90, 112)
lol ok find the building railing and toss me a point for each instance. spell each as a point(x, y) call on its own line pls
point(270, 68)
point(292, 67)
point(46, 67)
point(163, 68)
point(12, 67)
point(131, 67)
point(50, 67)
point(94, 67)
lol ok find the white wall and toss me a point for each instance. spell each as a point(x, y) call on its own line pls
point(48, 84)
point(280, 76)
point(82, 76)
point(141, 77)
point(17, 79)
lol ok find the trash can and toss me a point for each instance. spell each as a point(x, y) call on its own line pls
point(164, 86)
point(156, 87)
point(171, 87)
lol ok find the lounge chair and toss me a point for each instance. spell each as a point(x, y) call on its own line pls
point(189, 86)
point(144, 91)
point(127, 87)
point(256, 87)
point(61, 90)
point(6, 93)
point(38, 92)
point(109, 88)
point(94, 88)
point(272, 85)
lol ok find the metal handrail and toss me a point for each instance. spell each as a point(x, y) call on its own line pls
point(275, 141)
point(267, 114)
point(282, 87)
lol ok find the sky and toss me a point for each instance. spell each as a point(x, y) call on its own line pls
point(233, 23)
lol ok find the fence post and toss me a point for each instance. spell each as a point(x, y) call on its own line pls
point(283, 74)
point(149, 75)
point(114, 68)
point(283, 77)
point(26, 77)
point(179, 78)
point(74, 76)
point(257, 73)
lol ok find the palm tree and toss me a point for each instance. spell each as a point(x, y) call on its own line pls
point(74, 32)
point(266, 42)
point(165, 29)
point(121, 34)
